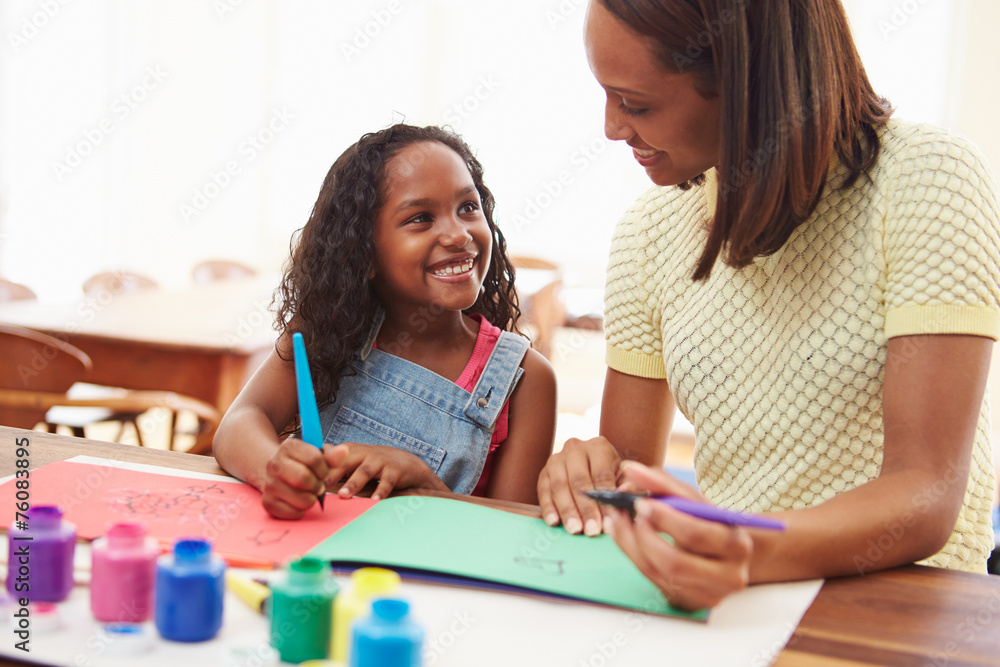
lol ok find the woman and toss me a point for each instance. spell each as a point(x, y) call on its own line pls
point(814, 284)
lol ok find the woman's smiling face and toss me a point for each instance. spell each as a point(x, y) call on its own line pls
point(674, 132)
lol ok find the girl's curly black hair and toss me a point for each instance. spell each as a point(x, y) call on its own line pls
point(325, 292)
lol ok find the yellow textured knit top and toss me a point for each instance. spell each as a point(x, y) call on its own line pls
point(779, 365)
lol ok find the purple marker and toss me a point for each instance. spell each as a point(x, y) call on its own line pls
point(40, 556)
point(705, 511)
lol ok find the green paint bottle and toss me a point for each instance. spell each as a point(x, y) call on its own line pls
point(301, 610)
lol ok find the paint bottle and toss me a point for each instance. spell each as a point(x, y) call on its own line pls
point(123, 570)
point(387, 638)
point(190, 587)
point(40, 556)
point(355, 602)
point(300, 608)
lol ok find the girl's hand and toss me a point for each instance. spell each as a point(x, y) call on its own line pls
point(293, 478)
point(581, 465)
point(394, 469)
point(706, 561)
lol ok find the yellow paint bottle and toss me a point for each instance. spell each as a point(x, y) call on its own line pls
point(366, 583)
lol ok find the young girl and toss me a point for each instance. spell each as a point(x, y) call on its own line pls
point(403, 292)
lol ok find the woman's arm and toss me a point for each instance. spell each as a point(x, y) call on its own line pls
point(932, 393)
point(636, 415)
point(531, 430)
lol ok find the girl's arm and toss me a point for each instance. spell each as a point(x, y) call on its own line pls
point(932, 393)
point(531, 430)
point(636, 415)
point(289, 474)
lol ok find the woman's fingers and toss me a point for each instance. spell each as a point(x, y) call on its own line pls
point(706, 561)
point(578, 467)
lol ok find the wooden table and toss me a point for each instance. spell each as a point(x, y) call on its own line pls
point(203, 342)
point(909, 615)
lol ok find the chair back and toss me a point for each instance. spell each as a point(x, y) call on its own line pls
point(529, 262)
point(11, 291)
point(33, 361)
point(117, 282)
point(220, 269)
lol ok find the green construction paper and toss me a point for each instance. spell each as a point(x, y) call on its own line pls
point(452, 537)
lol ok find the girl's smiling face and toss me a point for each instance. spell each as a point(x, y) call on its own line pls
point(674, 132)
point(432, 240)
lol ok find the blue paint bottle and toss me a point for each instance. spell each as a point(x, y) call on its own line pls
point(387, 638)
point(190, 587)
point(40, 556)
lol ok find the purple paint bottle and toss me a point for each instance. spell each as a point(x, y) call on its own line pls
point(123, 574)
point(40, 556)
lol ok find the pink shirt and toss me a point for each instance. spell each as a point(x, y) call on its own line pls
point(485, 342)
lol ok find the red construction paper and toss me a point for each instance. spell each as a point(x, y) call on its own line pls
point(230, 515)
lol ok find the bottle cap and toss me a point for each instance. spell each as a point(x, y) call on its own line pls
point(390, 609)
point(192, 550)
point(126, 534)
point(44, 516)
point(371, 580)
point(127, 638)
point(306, 570)
point(45, 617)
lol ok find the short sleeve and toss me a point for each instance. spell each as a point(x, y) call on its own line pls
point(942, 239)
point(634, 345)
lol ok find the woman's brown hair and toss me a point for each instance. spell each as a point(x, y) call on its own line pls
point(793, 92)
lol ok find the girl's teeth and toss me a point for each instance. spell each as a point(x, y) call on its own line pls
point(455, 270)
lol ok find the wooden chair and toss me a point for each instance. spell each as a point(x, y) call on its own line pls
point(38, 370)
point(539, 288)
point(11, 291)
point(117, 282)
point(220, 269)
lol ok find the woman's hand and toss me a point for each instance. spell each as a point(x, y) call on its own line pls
point(706, 561)
point(293, 478)
point(581, 465)
point(393, 468)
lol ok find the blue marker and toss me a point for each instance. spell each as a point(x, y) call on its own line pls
point(308, 413)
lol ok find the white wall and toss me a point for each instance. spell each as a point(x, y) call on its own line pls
point(127, 128)
point(164, 95)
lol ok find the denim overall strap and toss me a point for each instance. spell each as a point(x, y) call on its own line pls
point(500, 376)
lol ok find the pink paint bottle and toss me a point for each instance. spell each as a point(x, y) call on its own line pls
point(123, 573)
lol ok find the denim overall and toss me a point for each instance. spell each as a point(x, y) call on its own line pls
point(395, 402)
